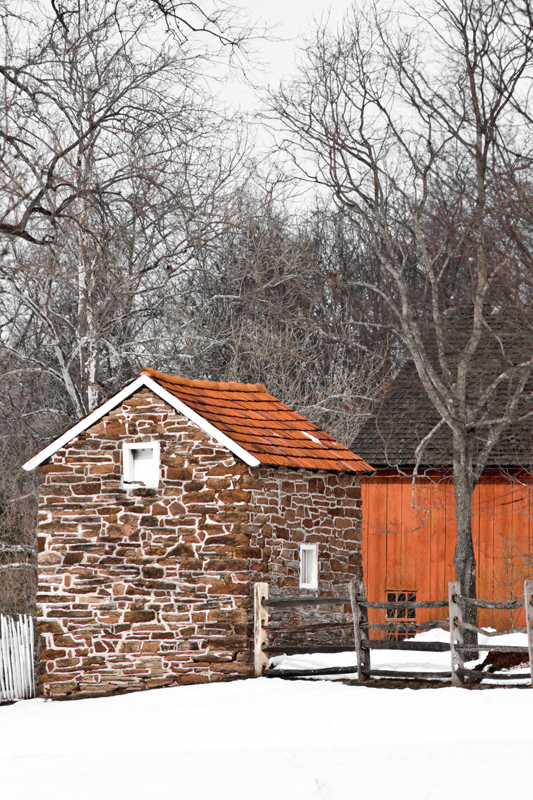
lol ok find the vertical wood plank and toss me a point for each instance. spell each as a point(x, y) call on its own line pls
point(3, 679)
point(260, 634)
point(16, 659)
point(488, 586)
point(375, 541)
point(413, 571)
point(422, 543)
point(476, 536)
point(437, 525)
point(451, 531)
point(518, 540)
point(395, 576)
point(31, 634)
point(6, 657)
point(502, 563)
point(456, 633)
point(17, 669)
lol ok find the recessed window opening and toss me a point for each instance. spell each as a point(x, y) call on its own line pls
point(308, 566)
point(402, 596)
point(140, 464)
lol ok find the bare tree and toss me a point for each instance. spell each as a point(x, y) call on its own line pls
point(421, 128)
point(145, 184)
point(114, 174)
point(75, 77)
point(266, 307)
point(217, 22)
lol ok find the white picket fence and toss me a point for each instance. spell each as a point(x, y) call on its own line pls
point(17, 679)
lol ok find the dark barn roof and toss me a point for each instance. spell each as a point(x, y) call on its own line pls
point(398, 423)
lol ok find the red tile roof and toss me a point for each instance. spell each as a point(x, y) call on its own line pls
point(261, 424)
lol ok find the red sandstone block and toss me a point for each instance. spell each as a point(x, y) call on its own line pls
point(354, 492)
point(115, 428)
point(172, 459)
point(86, 488)
point(198, 496)
point(65, 641)
point(51, 654)
point(49, 626)
point(219, 587)
point(130, 647)
point(47, 469)
point(109, 468)
point(181, 550)
point(72, 558)
point(221, 470)
point(138, 616)
point(152, 572)
point(136, 402)
point(194, 486)
point(222, 564)
point(343, 524)
point(63, 688)
point(232, 517)
point(223, 542)
point(158, 509)
point(48, 559)
point(149, 521)
point(193, 564)
point(179, 474)
point(352, 513)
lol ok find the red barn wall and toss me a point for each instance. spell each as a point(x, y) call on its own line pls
point(411, 548)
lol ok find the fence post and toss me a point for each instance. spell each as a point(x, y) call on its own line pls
point(260, 634)
point(456, 633)
point(17, 680)
point(528, 599)
point(359, 616)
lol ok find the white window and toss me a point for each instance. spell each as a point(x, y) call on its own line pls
point(309, 566)
point(140, 464)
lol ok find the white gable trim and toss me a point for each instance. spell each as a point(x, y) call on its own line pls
point(117, 399)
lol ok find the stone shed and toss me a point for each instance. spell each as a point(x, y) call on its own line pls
point(161, 509)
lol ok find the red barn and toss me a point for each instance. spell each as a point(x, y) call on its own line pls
point(409, 531)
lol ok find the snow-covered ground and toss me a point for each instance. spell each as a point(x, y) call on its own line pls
point(281, 740)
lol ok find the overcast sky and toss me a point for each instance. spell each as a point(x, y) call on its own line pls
point(289, 21)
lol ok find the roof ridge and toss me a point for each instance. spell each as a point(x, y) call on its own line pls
point(231, 386)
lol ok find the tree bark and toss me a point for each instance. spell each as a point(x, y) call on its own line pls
point(464, 559)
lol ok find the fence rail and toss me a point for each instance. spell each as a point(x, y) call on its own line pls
point(17, 679)
point(359, 604)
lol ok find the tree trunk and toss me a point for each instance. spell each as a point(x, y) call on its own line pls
point(464, 559)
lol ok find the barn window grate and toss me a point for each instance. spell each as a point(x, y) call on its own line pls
point(401, 596)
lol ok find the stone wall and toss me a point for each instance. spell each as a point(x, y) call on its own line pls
point(147, 587)
point(296, 506)
point(151, 587)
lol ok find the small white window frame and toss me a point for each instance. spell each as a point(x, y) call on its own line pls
point(127, 464)
point(309, 548)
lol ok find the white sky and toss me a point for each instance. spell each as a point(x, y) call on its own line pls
point(289, 21)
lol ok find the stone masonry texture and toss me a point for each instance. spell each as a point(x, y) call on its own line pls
point(153, 587)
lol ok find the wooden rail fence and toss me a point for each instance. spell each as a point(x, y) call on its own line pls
point(17, 679)
point(357, 600)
